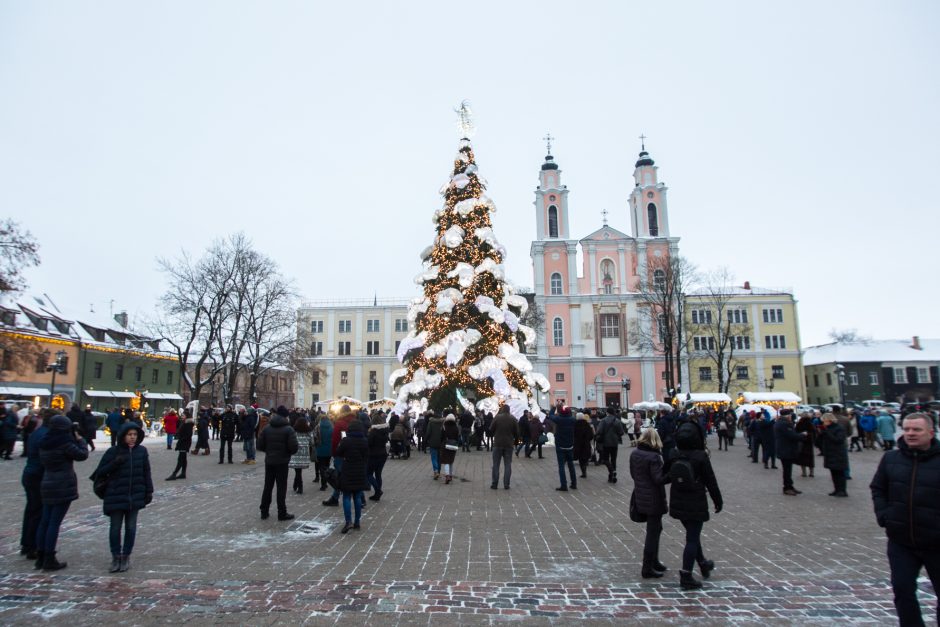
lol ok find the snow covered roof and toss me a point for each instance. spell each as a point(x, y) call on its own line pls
point(770, 397)
point(880, 351)
point(737, 290)
point(705, 397)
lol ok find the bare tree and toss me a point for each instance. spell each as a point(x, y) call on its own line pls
point(659, 326)
point(718, 329)
point(18, 251)
point(848, 336)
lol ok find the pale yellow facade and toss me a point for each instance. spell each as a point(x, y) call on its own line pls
point(766, 330)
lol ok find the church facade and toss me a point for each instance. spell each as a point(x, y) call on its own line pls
point(590, 350)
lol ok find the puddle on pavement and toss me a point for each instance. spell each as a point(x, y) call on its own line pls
point(310, 529)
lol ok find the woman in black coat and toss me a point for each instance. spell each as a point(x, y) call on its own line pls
point(688, 504)
point(377, 438)
point(807, 456)
point(184, 439)
point(649, 490)
point(58, 450)
point(583, 442)
point(354, 451)
point(831, 441)
point(130, 489)
point(448, 455)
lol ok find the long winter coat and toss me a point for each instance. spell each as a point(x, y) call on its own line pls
point(449, 432)
point(692, 503)
point(377, 438)
point(787, 440)
point(649, 481)
point(906, 494)
point(434, 432)
point(505, 430)
point(807, 456)
point(354, 451)
point(535, 429)
point(324, 448)
point(278, 441)
point(130, 485)
point(57, 451)
point(184, 435)
point(831, 441)
point(228, 425)
point(886, 427)
point(583, 437)
point(301, 459)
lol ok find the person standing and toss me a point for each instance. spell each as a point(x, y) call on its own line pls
point(905, 492)
point(722, 430)
point(563, 425)
point(170, 424)
point(466, 430)
point(228, 422)
point(377, 439)
point(536, 433)
point(32, 483)
point(610, 436)
point(449, 445)
point(583, 439)
point(340, 429)
point(202, 433)
point(692, 481)
point(767, 440)
point(89, 427)
point(249, 430)
point(300, 460)
point(886, 429)
point(434, 440)
point(278, 441)
point(323, 441)
point(787, 446)
point(9, 425)
point(184, 439)
point(59, 448)
point(353, 450)
point(807, 455)
point(505, 431)
point(649, 492)
point(831, 441)
point(130, 489)
point(114, 421)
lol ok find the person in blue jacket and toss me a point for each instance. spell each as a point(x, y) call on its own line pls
point(130, 489)
point(323, 441)
point(562, 426)
point(32, 481)
point(114, 421)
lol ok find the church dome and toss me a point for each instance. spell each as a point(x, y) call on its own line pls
point(643, 160)
point(549, 163)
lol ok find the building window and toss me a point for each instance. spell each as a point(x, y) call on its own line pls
point(138, 373)
point(815, 380)
point(343, 348)
point(773, 316)
point(653, 220)
point(401, 325)
point(314, 398)
point(705, 373)
point(853, 378)
point(741, 342)
point(553, 221)
point(701, 316)
point(741, 373)
point(169, 377)
point(7, 359)
point(42, 360)
point(558, 332)
point(873, 378)
point(315, 377)
point(397, 344)
point(610, 325)
point(703, 343)
point(829, 378)
point(372, 326)
point(777, 372)
point(923, 374)
point(154, 376)
point(119, 372)
point(316, 349)
point(372, 348)
point(344, 377)
point(555, 282)
point(737, 316)
point(775, 341)
point(316, 326)
point(659, 280)
point(900, 375)
point(97, 369)
point(560, 377)
point(345, 326)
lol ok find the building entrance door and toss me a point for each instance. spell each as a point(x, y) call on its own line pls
point(612, 399)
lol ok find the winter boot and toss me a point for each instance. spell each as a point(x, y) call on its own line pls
point(377, 496)
point(613, 477)
point(659, 566)
point(51, 563)
point(125, 563)
point(40, 558)
point(115, 564)
point(648, 572)
point(687, 581)
point(706, 566)
point(331, 502)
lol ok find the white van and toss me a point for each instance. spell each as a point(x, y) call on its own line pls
point(873, 404)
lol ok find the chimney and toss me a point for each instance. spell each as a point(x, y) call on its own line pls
point(916, 343)
point(121, 319)
point(747, 285)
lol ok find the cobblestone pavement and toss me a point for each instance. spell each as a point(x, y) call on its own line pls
point(455, 554)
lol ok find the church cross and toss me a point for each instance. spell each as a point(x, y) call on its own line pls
point(642, 141)
point(548, 142)
point(604, 214)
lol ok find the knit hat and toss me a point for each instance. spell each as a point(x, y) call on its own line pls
point(282, 411)
point(60, 423)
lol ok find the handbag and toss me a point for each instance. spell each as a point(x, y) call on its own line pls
point(451, 445)
point(332, 477)
point(543, 439)
point(636, 515)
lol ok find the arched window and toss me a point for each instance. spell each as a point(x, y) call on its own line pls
point(653, 220)
point(553, 221)
point(556, 284)
point(558, 332)
point(659, 280)
point(607, 276)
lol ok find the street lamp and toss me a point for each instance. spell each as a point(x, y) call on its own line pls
point(55, 367)
point(625, 384)
point(840, 371)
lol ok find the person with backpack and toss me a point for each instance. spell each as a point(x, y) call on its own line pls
point(692, 480)
point(649, 494)
point(129, 490)
point(609, 436)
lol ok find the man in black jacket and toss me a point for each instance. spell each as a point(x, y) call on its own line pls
point(278, 441)
point(787, 446)
point(906, 495)
point(228, 424)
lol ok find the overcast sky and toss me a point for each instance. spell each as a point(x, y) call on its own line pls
point(800, 141)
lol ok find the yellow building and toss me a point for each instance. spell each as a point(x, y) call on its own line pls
point(742, 339)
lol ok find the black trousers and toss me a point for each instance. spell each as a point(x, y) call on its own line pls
point(180, 464)
point(610, 454)
point(222, 444)
point(905, 565)
point(838, 479)
point(787, 465)
point(654, 529)
point(692, 553)
point(33, 511)
point(275, 474)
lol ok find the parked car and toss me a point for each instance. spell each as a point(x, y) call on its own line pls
point(804, 409)
point(873, 404)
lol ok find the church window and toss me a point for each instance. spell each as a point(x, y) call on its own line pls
point(659, 280)
point(607, 276)
point(553, 221)
point(556, 284)
point(610, 325)
point(558, 332)
point(653, 220)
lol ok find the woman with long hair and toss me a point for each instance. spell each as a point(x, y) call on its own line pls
point(449, 446)
point(184, 439)
point(649, 494)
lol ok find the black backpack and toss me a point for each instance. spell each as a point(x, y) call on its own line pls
point(682, 473)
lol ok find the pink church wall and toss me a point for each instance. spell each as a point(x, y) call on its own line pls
point(552, 311)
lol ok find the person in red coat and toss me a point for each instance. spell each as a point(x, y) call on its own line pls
point(171, 421)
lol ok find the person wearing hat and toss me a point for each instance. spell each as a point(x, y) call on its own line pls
point(58, 450)
point(831, 441)
point(353, 450)
point(300, 460)
point(583, 439)
point(434, 440)
point(32, 482)
point(787, 446)
point(450, 438)
point(278, 442)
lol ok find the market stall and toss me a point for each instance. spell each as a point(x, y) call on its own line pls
point(777, 400)
point(759, 408)
point(715, 401)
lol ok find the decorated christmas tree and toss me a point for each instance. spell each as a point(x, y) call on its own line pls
point(463, 348)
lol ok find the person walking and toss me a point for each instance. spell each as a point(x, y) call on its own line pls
point(113, 422)
point(184, 439)
point(767, 440)
point(323, 442)
point(886, 430)
point(278, 442)
point(377, 439)
point(353, 450)
point(563, 428)
point(536, 433)
point(806, 458)
point(171, 422)
point(610, 436)
point(649, 496)
point(447, 454)
point(583, 441)
point(722, 430)
point(831, 441)
point(340, 429)
point(692, 481)
point(787, 446)
point(202, 433)
point(465, 422)
point(905, 492)
point(32, 484)
point(228, 423)
point(59, 448)
point(434, 440)
point(300, 460)
point(130, 489)
point(505, 430)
